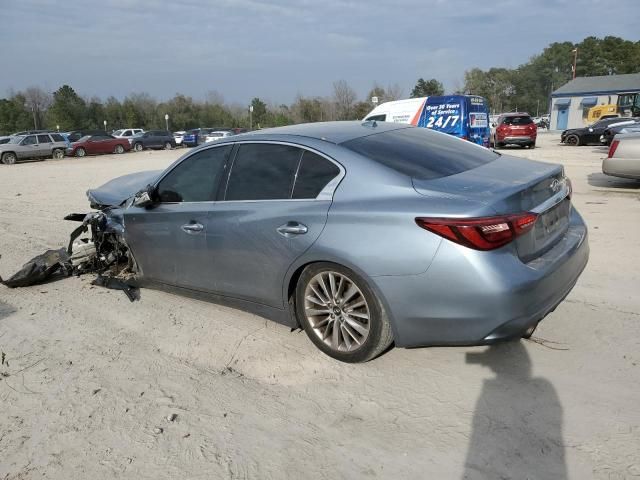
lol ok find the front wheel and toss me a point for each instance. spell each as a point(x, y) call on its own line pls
point(9, 158)
point(340, 313)
point(119, 149)
point(81, 152)
point(573, 140)
point(58, 153)
point(168, 146)
point(137, 147)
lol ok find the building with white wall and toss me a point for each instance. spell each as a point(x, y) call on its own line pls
point(571, 102)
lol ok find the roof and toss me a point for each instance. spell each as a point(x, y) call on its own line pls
point(334, 132)
point(602, 84)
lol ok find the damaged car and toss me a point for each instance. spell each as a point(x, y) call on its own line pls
point(363, 234)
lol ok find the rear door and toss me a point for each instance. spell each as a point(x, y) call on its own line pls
point(45, 145)
point(274, 207)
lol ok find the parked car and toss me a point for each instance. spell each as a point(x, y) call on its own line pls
point(127, 133)
point(202, 134)
point(190, 138)
point(153, 139)
point(623, 159)
point(178, 136)
point(97, 144)
point(76, 135)
point(218, 135)
point(42, 145)
point(363, 234)
point(515, 129)
point(587, 135)
point(622, 127)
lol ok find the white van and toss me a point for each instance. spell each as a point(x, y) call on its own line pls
point(463, 116)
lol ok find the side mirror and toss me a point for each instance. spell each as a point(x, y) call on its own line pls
point(144, 198)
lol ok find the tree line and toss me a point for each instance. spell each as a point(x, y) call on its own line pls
point(525, 88)
point(66, 110)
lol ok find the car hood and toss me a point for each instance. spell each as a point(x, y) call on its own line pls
point(116, 191)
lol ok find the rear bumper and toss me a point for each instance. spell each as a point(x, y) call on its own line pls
point(468, 297)
point(621, 167)
point(520, 140)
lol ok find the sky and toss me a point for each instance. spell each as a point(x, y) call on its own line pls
point(278, 49)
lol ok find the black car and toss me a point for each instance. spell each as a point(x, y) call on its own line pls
point(590, 134)
point(614, 129)
point(153, 139)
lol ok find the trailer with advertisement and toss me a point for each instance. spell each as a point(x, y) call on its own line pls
point(463, 116)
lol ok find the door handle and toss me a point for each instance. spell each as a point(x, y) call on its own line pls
point(292, 228)
point(192, 228)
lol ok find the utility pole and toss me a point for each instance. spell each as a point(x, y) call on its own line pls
point(250, 117)
point(575, 61)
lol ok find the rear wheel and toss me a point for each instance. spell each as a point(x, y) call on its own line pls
point(137, 147)
point(341, 314)
point(58, 153)
point(167, 146)
point(573, 140)
point(119, 149)
point(80, 152)
point(532, 145)
point(9, 158)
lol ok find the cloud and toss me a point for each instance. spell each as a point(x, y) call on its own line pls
point(278, 48)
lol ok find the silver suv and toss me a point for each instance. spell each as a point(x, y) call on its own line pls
point(32, 146)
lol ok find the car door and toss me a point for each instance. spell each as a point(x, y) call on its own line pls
point(172, 234)
point(29, 147)
point(45, 145)
point(268, 218)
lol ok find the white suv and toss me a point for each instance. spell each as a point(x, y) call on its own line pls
point(127, 133)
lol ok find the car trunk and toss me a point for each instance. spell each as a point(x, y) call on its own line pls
point(511, 185)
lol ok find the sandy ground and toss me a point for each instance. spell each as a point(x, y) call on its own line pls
point(93, 386)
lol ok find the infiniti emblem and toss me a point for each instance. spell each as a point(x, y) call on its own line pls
point(556, 185)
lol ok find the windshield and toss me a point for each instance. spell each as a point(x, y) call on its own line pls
point(16, 140)
point(517, 120)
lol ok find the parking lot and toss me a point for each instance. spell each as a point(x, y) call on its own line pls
point(92, 385)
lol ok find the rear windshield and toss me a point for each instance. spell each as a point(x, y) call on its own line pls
point(422, 153)
point(517, 120)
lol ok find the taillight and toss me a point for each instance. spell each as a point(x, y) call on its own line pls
point(613, 147)
point(486, 233)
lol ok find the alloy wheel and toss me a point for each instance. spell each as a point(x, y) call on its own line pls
point(9, 158)
point(81, 152)
point(337, 311)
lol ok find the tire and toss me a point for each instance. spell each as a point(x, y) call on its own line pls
point(499, 145)
point(319, 313)
point(168, 146)
point(57, 153)
point(9, 158)
point(532, 145)
point(118, 149)
point(137, 147)
point(573, 140)
point(81, 152)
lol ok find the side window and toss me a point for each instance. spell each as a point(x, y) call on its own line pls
point(313, 175)
point(127, 133)
point(30, 140)
point(263, 172)
point(196, 178)
point(377, 118)
point(57, 137)
point(44, 139)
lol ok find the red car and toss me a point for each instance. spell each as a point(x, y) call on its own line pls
point(97, 144)
point(515, 129)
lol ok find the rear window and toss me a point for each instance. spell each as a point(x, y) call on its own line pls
point(517, 120)
point(57, 137)
point(422, 153)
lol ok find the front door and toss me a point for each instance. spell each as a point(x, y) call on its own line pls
point(29, 147)
point(562, 119)
point(168, 240)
